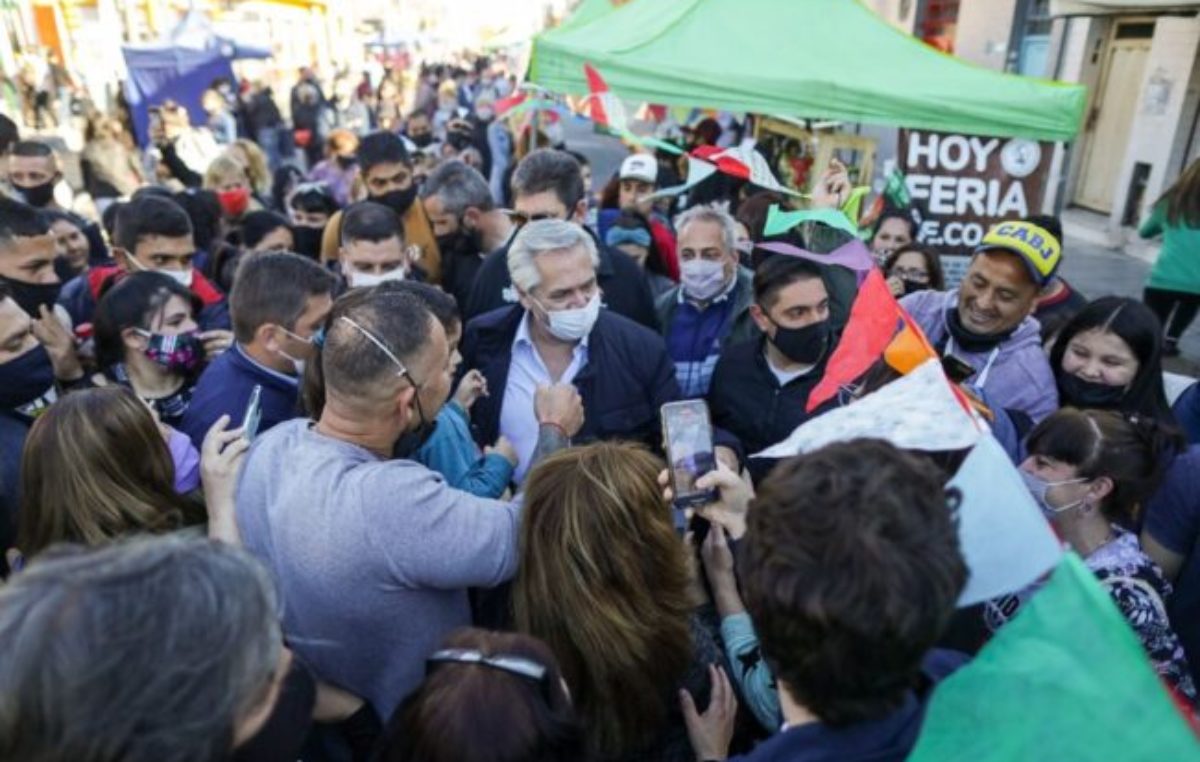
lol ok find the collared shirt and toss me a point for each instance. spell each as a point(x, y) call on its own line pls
point(293, 380)
point(526, 373)
point(695, 337)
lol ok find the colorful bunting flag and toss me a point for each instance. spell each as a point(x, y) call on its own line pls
point(853, 255)
point(1004, 538)
point(917, 412)
point(603, 107)
point(874, 320)
point(780, 221)
point(1066, 680)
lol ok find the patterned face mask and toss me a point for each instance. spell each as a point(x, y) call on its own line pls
point(180, 353)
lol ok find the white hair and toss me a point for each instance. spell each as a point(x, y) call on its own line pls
point(544, 237)
point(714, 214)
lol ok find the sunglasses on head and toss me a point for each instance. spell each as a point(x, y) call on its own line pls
point(513, 665)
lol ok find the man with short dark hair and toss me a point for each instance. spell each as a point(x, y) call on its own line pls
point(987, 327)
point(386, 171)
point(27, 252)
point(851, 653)
point(374, 554)
point(547, 184)
point(34, 172)
point(760, 387)
point(466, 223)
point(279, 304)
point(373, 248)
point(153, 233)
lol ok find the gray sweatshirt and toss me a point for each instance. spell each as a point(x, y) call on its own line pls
point(371, 557)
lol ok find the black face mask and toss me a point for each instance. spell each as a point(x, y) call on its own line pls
point(346, 162)
point(30, 296)
point(307, 241)
point(38, 195)
point(458, 140)
point(423, 140)
point(805, 345)
point(398, 201)
point(461, 242)
point(971, 341)
point(1088, 394)
point(912, 286)
point(25, 378)
point(280, 738)
point(411, 441)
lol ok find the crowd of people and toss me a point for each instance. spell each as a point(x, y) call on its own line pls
point(343, 442)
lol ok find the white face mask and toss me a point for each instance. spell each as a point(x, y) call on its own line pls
point(366, 280)
point(702, 278)
point(182, 277)
point(573, 325)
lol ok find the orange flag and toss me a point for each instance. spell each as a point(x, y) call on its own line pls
point(871, 328)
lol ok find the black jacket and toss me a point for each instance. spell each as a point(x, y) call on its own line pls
point(621, 279)
point(627, 378)
point(746, 400)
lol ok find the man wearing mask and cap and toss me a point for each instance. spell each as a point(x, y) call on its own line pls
point(760, 387)
point(637, 179)
point(985, 330)
point(466, 223)
point(153, 233)
point(558, 334)
point(386, 171)
point(710, 308)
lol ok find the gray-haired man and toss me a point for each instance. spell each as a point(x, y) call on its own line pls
point(558, 333)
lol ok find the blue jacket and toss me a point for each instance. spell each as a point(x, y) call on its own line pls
point(453, 454)
point(1187, 411)
point(885, 739)
point(627, 378)
point(224, 388)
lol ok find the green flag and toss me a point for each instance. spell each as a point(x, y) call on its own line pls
point(896, 190)
point(1066, 680)
point(779, 221)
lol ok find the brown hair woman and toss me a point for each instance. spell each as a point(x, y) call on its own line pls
point(96, 467)
point(604, 581)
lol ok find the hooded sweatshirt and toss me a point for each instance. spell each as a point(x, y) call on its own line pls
point(1015, 375)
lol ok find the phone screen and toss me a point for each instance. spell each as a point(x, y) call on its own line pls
point(688, 439)
point(253, 415)
point(957, 370)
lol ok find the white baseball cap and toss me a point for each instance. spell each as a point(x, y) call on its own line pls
point(640, 166)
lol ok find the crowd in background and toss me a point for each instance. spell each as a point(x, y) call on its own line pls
point(446, 532)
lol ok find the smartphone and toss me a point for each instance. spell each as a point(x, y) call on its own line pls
point(253, 415)
point(957, 369)
point(688, 440)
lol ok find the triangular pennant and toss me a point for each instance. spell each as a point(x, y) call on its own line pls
point(602, 105)
point(910, 349)
point(917, 412)
point(1067, 679)
point(874, 319)
point(1004, 538)
point(780, 221)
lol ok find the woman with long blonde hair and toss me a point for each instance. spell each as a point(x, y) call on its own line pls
point(1173, 289)
point(604, 580)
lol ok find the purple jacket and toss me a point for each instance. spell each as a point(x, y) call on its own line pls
point(1019, 376)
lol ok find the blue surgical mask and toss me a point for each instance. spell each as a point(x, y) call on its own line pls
point(1038, 487)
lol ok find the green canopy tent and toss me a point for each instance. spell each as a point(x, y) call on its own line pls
point(811, 58)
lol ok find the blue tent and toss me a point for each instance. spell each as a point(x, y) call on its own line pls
point(179, 68)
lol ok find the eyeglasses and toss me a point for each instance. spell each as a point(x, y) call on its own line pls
point(514, 665)
point(909, 273)
point(520, 219)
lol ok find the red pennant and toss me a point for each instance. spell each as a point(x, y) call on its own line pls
point(874, 318)
point(598, 88)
